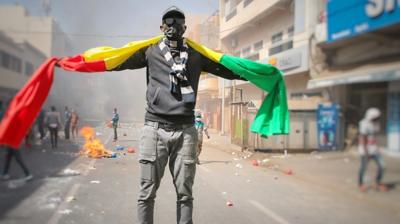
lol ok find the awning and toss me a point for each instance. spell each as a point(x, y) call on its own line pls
point(364, 75)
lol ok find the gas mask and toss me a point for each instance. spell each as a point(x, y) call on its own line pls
point(174, 28)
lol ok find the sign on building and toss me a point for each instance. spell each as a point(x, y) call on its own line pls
point(351, 18)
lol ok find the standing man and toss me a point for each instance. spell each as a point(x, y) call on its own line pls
point(115, 122)
point(200, 127)
point(169, 136)
point(40, 123)
point(53, 122)
point(368, 147)
point(74, 123)
point(67, 124)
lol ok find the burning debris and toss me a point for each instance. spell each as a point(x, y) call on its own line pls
point(93, 146)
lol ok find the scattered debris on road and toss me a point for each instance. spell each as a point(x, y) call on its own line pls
point(69, 171)
point(119, 147)
point(95, 182)
point(69, 199)
point(65, 211)
point(13, 184)
point(288, 171)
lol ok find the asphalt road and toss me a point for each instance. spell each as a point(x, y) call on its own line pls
point(105, 191)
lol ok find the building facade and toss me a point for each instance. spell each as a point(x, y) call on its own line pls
point(209, 100)
point(277, 32)
point(357, 54)
point(41, 32)
point(17, 63)
point(45, 35)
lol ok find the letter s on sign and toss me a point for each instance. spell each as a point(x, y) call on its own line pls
point(374, 8)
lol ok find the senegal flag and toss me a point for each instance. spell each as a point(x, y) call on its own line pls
point(272, 118)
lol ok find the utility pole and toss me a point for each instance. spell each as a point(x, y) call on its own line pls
point(223, 108)
point(46, 5)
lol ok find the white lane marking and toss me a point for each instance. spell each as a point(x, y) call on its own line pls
point(205, 169)
point(55, 218)
point(269, 212)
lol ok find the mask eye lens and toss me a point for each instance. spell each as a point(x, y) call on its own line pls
point(169, 21)
point(180, 21)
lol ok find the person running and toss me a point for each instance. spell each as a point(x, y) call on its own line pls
point(10, 154)
point(53, 121)
point(115, 123)
point(368, 147)
point(74, 124)
point(200, 127)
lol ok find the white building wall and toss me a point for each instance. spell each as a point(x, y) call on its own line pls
point(41, 32)
point(11, 80)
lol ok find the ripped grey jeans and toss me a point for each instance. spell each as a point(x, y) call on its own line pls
point(157, 145)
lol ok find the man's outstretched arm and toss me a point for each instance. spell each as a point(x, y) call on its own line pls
point(218, 69)
point(136, 61)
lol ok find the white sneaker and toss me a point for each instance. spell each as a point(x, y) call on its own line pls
point(5, 177)
point(29, 177)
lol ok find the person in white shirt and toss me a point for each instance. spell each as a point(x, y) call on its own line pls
point(368, 147)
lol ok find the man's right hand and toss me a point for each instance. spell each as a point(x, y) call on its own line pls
point(58, 63)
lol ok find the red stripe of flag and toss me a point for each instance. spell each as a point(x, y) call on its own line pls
point(78, 64)
point(25, 106)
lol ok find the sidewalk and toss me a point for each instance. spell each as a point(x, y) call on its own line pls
point(333, 171)
point(217, 140)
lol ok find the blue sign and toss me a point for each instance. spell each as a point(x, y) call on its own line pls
point(327, 122)
point(347, 18)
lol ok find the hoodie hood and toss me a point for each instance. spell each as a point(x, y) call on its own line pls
point(372, 113)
